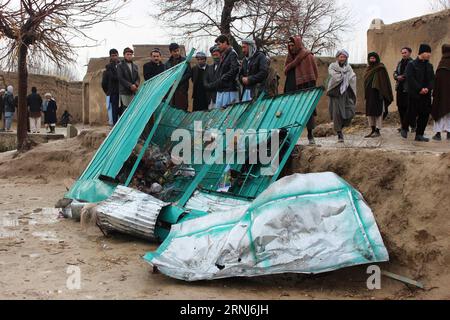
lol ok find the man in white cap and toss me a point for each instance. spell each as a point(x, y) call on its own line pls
point(50, 115)
point(254, 71)
point(10, 108)
point(341, 91)
point(2, 110)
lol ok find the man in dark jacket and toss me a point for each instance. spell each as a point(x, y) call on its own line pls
point(211, 76)
point(226, 83)
point(155, 66)
point(199, 94)
point(51, 112)
point(420, 84)
point(254, 71)
point(180, 98)
point(34, 102)
point(110, 85)
point(129, 79)
point(441, 96)
point(377, 92)
point(400, 77)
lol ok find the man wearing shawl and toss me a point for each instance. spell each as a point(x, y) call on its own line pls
point(441, 94)
point(254, 71)
point(342, 93)
point(180, 99)
point(301, 73)
point(420, 84)
point(378, 93)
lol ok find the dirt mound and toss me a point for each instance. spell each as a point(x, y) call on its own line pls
point(410, 197)
point(55, 160)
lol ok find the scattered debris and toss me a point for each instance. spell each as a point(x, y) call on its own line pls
point(131, 212)
point(402, 279)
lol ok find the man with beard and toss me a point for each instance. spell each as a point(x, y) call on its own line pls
point(129, 79)
point(211, 77)
point(301, 73)
point(402, 94)
point(199, 94)
point(254, 71)
point(110, 85)
point(441, 102)
point(378, 93)
point(420, 83)
point(155, 66)
point(342, 93)
point(180, 99)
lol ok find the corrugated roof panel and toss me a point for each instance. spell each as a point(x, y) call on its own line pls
point(289, 111)
point(119, 144)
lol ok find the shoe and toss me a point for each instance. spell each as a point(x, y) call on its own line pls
point(448, 135)
point(437, 137)
point(404, 134)
point(422, 139)
point(370, 135)
point(340, 137)
point(377, 134)
point(312, 142)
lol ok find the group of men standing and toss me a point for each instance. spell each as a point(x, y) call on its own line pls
point(227, 81)
point(419, 93)
point(36, 107)
point(217, 85)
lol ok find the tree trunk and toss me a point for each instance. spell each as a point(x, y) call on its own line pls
point(23, 142)
point(225, 24)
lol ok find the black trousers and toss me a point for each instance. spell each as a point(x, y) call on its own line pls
point(402, 104)
point(419, 110)
point(115, 102)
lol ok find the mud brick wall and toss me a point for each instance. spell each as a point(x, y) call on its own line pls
point(68, 95)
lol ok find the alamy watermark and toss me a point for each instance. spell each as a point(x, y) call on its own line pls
point(374, 280)
point(250, 147)
point(73, 281)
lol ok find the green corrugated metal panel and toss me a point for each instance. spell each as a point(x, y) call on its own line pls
point(118, 146)
point(290, 111)
point(285, 111)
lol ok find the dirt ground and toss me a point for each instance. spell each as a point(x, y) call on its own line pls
point(406, 185)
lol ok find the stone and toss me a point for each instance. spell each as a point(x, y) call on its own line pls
point(72, 131)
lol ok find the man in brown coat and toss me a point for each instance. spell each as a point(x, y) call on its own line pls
point(301, 73)
point(441, 94)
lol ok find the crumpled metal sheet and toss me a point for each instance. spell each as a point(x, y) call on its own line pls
point(131, 212)
point(212, 203)
point(309, 224)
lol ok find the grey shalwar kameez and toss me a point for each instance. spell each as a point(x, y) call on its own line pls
point(342, 94)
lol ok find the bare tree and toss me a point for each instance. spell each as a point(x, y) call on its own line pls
point(33, 29)
point(270, 23)
point(321, 24)
point(438, 5)
point(198, 19)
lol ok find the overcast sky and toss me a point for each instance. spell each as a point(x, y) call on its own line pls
point(142, 29)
